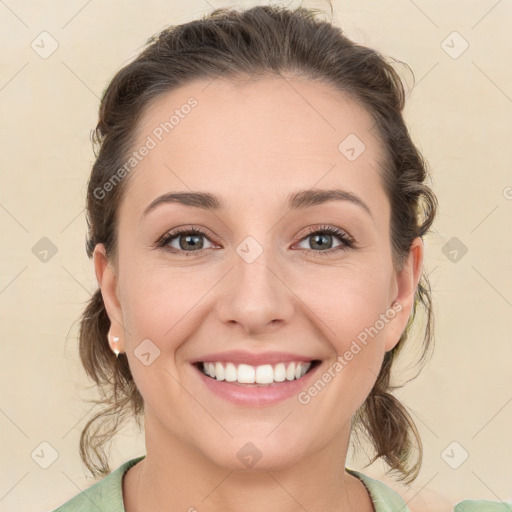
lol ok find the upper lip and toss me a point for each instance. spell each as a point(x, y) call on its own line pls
point(253, 359)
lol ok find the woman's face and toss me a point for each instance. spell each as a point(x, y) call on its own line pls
point(262, 281)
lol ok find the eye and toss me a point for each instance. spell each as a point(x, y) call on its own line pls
point(323, 235)
point(187, 240)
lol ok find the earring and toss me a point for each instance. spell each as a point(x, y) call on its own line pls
point(115, 349)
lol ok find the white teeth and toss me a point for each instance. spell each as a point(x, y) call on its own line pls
point(219, 371)
point(280, 372)
point(290, 372)
point(263, 374)
point(231, 374)
point(246, 374)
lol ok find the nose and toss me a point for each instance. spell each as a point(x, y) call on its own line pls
point(256, 297)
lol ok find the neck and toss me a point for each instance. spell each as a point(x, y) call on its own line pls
point(175, 476)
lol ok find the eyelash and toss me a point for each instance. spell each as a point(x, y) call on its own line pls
point(347, 241)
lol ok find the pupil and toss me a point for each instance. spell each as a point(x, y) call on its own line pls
point(324, 237)
point(197, 244)
point(193, 245)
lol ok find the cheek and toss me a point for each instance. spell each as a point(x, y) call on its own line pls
point(348, 301)
point(149, 306)
point(157, 311)
point(158, 296)
point(162, 303)
point(350, 306)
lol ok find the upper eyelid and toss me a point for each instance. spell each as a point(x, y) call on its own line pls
point(311, 230)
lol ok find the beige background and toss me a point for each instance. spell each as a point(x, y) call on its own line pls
point(459, 113)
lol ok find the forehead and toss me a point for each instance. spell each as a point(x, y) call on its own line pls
point(245, 140)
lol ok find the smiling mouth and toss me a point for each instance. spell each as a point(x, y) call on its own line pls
point(261, 375)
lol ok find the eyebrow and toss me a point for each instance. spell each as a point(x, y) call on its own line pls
point(296, 200)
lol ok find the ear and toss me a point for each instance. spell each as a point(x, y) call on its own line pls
point(406, 282)
point(107, 281)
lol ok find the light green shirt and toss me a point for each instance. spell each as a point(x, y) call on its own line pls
point(106, 495)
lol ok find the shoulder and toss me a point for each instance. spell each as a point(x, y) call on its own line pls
point(393, 495)
point(483, 506)
point(105, 495)
point(384, 498)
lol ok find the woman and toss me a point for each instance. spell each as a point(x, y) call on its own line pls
point(256, 212)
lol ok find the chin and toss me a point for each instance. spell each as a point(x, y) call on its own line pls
point(255, 455)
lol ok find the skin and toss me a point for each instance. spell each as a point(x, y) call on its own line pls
point(253, 144)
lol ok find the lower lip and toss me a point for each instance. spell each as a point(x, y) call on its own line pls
point(256, 395)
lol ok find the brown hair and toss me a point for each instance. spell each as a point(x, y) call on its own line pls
point(249, 44)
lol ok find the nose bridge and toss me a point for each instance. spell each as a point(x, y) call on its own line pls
point(257, 295)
